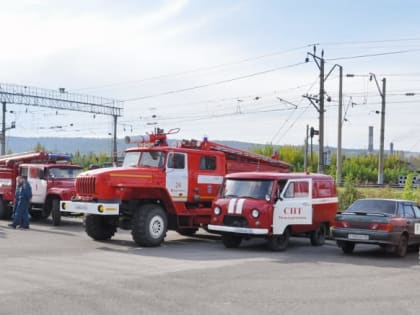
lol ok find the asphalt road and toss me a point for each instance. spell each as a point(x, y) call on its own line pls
point(60, 270)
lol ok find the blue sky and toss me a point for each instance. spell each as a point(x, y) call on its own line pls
point(131, 49)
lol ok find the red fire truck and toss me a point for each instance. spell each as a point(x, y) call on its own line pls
point(274, 206)
point(51, 176)
point(160, 187)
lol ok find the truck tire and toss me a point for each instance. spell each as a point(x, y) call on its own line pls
point(149, 225)
point(401, 248)
point(100, 228)
point(318, 236)
point(231, 241)
point(187, 232)
point(346, 247)
point(55, 212)
point(278, 243)
point(5, 211)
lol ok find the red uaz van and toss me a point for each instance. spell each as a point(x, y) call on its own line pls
point(274, 206)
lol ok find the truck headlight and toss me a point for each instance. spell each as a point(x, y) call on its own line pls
point(217, 210)
point(101, 208)
point(63, 206)
point(255, 213)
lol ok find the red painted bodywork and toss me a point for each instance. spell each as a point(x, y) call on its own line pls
point(323, 186)
point(11, 166)
point(148, 184)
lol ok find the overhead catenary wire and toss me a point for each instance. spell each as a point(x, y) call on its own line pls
point(215, 82)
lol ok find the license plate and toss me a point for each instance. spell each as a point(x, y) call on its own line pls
point(358, 237)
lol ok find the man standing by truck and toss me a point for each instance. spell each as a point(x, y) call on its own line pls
point(23, 197)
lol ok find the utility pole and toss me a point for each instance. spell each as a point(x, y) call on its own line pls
point(114, 142)
point(382, 137)
point(3, 130)
point(320, 62)
point(382, 93)
point(305, 157)
point(340, 127)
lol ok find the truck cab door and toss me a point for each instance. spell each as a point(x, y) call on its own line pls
point(177, 176)
point(38, 184)
point(294, 205)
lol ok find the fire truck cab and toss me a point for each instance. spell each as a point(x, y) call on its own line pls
point(274, 206)
point(51, 176)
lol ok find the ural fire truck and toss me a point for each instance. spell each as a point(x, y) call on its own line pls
point(160, 187)
point(51, 176)
point(274, 206)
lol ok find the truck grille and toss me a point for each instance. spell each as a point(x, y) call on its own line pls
point(235, 220)
point(85, 185)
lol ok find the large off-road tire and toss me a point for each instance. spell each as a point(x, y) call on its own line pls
point(187, 232)
point(55, 212)
point(318, 236)
point(149, 225)
point(5, 210)
point(402, 247)
point(346, 247)
point(231, 241)
point(101, 228)
point(278, 243)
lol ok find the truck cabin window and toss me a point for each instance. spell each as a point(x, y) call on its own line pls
point(255, 189)
point(208, 163)
point(144, 159)
point(63, 173)
point(176, 160)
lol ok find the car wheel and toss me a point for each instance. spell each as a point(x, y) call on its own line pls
point(318, 236)
point(101, 228)
point(231, 241)
point(278, 243)
point(401, 248)
point(149, 225)
point(55, 212)
point(346, 247)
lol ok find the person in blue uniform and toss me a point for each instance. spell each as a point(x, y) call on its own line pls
point(23, 197)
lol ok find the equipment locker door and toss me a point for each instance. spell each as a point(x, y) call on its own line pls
point(294, 205)
point(177, 176)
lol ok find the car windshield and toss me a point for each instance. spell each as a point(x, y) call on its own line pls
point(370, 206)
point(64, 173)
point(246, 188)
point(144, 159)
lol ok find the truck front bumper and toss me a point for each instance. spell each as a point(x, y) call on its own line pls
point(99, 208)
point(236, 230)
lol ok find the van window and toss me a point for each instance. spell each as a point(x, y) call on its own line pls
point(297, 190)
point(208, 163)
point(324, 189)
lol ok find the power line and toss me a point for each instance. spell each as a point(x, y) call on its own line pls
point(214, 83)
point(197, 70)
point(375, 55)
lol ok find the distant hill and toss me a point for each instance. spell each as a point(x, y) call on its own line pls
point(104, 145)
point(86, 145)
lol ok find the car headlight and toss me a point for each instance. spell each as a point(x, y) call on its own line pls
point(217, 210)
point(255, 213)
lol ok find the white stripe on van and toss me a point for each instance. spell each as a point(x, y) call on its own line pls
point(240, 205)
point(231, 207)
